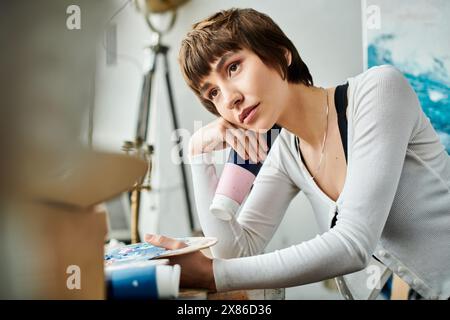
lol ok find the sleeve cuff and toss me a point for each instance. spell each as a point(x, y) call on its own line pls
point(202, 158)
point(218, 274)
point(223, 279)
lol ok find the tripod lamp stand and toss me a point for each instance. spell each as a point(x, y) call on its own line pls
point(139, 146)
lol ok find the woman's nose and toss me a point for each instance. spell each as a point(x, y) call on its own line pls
point(233, 99)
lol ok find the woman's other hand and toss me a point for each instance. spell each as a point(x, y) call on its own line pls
point(219, 134)
point(196, 268)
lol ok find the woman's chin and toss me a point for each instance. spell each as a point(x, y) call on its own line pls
point(261, 125)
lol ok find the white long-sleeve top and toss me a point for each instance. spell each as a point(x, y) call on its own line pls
point(395, 203)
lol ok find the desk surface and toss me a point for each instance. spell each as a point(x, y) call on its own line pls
point(258, 294)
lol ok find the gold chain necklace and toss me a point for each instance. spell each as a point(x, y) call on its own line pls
point(323, 142)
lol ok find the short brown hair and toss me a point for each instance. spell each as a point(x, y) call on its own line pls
point(232, 30)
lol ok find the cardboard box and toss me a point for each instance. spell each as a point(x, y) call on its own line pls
point(53, 239)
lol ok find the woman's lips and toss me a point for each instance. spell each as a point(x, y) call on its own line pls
point(251, 115)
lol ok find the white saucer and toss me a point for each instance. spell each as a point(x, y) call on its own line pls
point(194, 244)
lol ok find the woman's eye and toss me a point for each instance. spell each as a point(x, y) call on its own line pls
point(212, 94)
point(233, 67)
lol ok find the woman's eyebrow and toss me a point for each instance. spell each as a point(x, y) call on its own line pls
point(204, 88)
point(222, 60)
point(218, 67)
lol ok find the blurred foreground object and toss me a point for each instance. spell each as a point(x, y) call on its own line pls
point(56, 234)
point(51, 230)
point(55, 252)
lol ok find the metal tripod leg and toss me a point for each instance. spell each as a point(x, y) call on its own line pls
point(175, 125)
point(142, 135)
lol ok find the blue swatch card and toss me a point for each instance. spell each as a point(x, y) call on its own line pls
point(145, 251)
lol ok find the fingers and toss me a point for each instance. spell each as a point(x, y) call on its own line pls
point(258, 145)
point(263, 142)
point(248, 144)
point(251, 145)
point(164, 242)
point(236, 139)
point(240, 141)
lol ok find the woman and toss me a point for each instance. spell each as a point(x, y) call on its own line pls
point(364, 154)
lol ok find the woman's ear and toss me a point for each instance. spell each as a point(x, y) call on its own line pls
point(288, 56)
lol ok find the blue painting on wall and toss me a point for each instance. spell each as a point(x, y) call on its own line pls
point(414, 36)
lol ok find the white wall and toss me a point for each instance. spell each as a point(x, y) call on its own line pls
point(328, 36)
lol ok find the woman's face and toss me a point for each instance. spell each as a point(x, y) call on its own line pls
point(240, 82)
